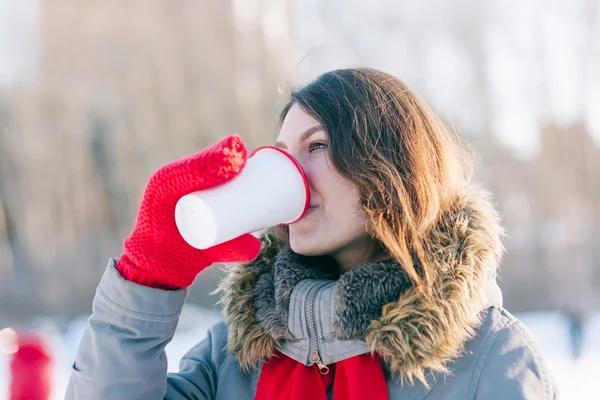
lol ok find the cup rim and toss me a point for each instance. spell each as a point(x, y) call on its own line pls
point(300, 170)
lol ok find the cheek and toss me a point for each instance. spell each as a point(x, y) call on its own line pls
point(338, 197)
point(342, 197)
point(327, 183)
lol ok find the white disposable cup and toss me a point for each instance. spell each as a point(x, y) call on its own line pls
point(272, 189)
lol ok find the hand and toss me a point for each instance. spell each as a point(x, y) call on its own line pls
point(155, 253)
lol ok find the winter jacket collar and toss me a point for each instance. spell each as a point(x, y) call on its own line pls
point(297, 304)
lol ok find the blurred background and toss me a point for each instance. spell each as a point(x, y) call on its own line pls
point(95, 96)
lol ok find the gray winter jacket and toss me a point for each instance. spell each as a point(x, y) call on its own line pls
point(459, 345)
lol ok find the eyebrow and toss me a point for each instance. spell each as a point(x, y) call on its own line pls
point(305, 135)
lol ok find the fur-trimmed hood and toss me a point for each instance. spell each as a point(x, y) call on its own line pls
point(375, 302)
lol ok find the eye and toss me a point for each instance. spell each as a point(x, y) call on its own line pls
point(316, 145)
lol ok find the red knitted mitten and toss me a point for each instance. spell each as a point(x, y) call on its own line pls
point(155, 253)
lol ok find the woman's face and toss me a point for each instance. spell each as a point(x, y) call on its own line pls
point(335, 226)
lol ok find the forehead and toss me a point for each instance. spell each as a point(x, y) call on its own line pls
point(296, 122)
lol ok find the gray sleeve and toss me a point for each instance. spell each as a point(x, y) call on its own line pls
point(199, 368)
point(514, 367)
point(121, 354)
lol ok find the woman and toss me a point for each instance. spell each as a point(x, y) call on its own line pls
point(385, 289)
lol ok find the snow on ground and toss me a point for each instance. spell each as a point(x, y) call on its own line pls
point(575, 379)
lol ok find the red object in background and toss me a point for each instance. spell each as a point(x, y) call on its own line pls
point(30, 369)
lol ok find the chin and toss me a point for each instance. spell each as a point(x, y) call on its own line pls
point(307, 247)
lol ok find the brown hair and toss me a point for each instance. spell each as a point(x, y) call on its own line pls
point(406, 164)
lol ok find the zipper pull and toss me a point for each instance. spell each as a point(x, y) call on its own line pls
point(314, 357)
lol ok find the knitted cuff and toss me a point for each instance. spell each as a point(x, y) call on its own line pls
point(129, 271)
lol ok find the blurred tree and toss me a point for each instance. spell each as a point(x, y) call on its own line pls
point(121, 88)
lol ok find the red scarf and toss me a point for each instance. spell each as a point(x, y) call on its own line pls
point(356, 378)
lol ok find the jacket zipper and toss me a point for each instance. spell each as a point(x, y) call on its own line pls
point(315, 358)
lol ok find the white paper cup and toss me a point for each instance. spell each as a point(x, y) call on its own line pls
point(272, 189)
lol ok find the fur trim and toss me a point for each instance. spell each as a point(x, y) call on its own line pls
point(246, 338)
point(273, 289)
point(414, 334)
point(361, 294)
